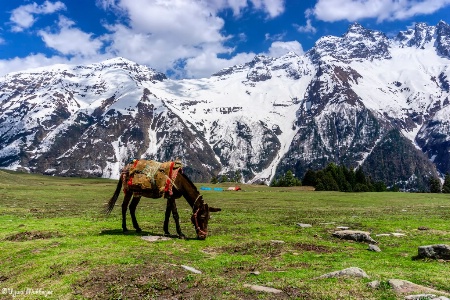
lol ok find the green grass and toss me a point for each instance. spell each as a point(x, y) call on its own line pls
point(54, 238)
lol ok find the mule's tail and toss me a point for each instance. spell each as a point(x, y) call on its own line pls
point(110, 205)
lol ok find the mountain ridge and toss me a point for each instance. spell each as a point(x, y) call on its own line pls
point(335, 103)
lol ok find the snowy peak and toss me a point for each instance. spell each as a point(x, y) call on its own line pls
point(443, 38)
point(418, 37)
point(263, 68)
point(423, 36)
point(357, 43)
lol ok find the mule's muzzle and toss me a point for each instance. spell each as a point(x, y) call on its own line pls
point(201, 236)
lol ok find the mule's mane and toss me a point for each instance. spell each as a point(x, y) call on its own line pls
point(192, 186)
point(190, 182)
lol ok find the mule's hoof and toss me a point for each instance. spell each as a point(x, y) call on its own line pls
point(138, 230)
point(167, 234)
point(125, 230)
point(182, 237)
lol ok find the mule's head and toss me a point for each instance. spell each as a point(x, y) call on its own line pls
point(200, 219)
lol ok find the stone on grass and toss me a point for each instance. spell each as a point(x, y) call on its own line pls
point(374, 284)
point(260, 288)
point(374, 248)
point(191, 269)
point(398, 234)
point(154, 238)
point(439, 251)
point(342, 227)
point(303, 225)
point(349, 272)
point(406, 287)
point(277, 242)
point(423, 228)
point(425, 297)
point(355, 235)
point(383, 234)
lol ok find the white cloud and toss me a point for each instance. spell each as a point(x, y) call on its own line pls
point(71, 41)
point(164, 34)
point(29, 62)
point(353, 10)
point(207, 63)
point(308, 28)
point(184, 37)
point(278, 48)
point(23, 17)
point(274, 8)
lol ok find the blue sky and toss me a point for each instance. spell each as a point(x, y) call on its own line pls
point(189, 38)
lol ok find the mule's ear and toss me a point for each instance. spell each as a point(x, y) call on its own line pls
point(214, 209)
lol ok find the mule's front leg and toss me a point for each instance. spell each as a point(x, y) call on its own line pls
point(133, 205)
point(176, 217)
point(167, 217)
point(126, 201)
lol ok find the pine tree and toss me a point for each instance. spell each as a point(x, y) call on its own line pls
point(435, 185)
point(446, 186)
point(310, 178)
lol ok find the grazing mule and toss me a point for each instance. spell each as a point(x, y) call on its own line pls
point(147, 178)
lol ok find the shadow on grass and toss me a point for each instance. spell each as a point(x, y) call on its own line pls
point(142, 233)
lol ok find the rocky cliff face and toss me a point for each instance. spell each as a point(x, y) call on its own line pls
point(345, 101)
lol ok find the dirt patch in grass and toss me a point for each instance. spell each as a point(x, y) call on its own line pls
point(312, 247)
point(269, 249)
point(152, 282)
point(32, 235)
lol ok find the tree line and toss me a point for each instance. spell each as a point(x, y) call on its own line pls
point(343, 179)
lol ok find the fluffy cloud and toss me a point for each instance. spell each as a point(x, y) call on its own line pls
point(24, 16)
point(308, 28)
point(71, 41)
point(353, 10)
point(170, 34)
point(278, 49)
point(185, 38)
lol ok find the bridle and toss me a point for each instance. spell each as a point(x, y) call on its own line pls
point(195, 217)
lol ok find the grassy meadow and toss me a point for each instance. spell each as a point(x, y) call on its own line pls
point(56, 244)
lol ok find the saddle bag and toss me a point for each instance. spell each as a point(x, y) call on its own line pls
point(140, 181)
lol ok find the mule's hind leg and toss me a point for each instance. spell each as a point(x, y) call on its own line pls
point(167, 217)
point(176, 217)
point(126, 201)
point(133, 204)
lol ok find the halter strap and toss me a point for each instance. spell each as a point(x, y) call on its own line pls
point(196, 223)
point(196, 199)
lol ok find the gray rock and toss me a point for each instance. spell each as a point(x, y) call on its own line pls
point(355, 235)
point(154, 238)
point(398, 234)
point(406, 287)
point(425, 297)
point(260, 288)
point(383, 234)
point(439, 251)
point(191, 269)
point(342, 227)
point(374, 248)
point(374, 284)
point(277, 242)
point(349, 272)
point(303, 225)
point(423, 228)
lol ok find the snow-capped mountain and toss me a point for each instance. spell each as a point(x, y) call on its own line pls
point(359, 99)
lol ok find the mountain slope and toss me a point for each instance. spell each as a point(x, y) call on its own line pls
point(340, 102)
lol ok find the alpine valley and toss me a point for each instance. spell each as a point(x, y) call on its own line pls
point(361, 99)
